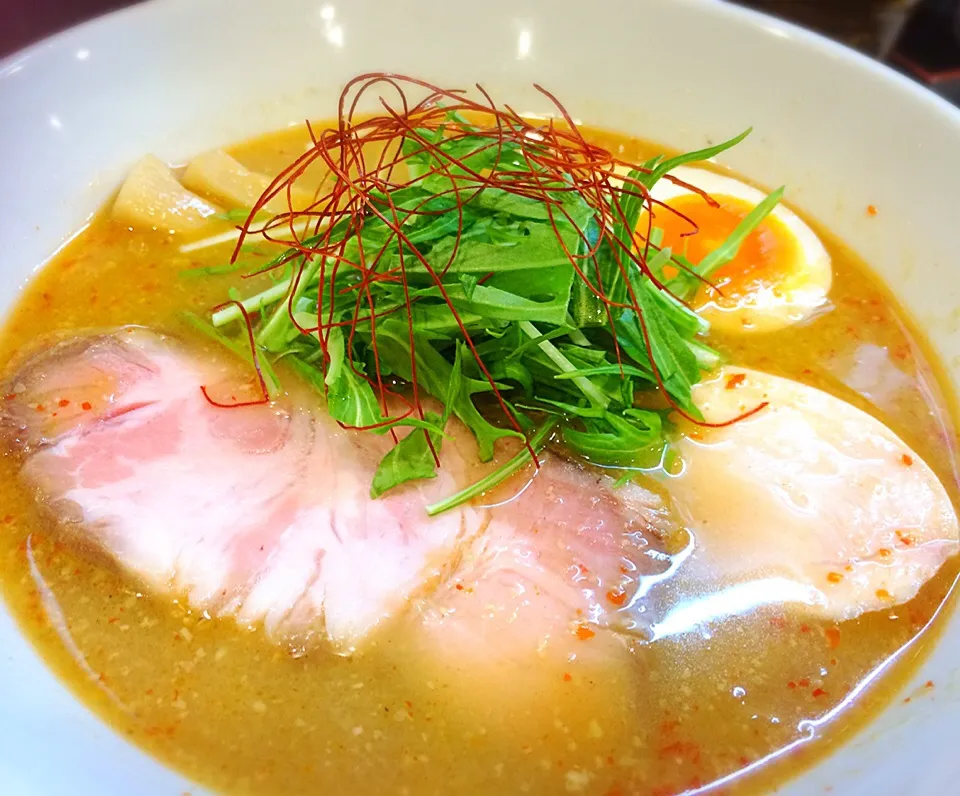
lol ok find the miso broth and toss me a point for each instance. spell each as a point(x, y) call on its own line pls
point(241, 714)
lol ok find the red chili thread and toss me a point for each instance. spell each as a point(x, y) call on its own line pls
point(265, 393)
point(357, 189)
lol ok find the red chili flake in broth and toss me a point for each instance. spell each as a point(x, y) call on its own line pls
point(818, 692)
point(736, 380)
point(39, 407)
point(567, 677)
point(833, 637)
point(804, 683)
point(907, 460)
point(905, 539)
point(583, 632)
point(928, 684)
point(872, 210)
point(778, 622)
point(617, 597)
point(669, 726)
point(804, 628)
point(63, 402)
point(85, 406)
point(791, 685)
point(685, 750)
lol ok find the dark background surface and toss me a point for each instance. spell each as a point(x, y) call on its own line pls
point(25, 21)
point(921, 37)
point(863, 23)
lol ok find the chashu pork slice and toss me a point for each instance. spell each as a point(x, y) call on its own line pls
point(263, 512)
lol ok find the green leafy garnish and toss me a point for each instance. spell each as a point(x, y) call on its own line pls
point(236, 215)
point(536, 443)
point(411, 459)
point(505, 277)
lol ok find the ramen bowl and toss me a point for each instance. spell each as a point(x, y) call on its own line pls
point(174, 77)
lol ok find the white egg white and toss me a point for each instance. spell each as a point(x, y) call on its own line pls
point(771, 307)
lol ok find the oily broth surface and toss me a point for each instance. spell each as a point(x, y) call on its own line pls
point(244, 716)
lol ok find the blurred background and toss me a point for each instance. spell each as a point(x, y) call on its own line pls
point(919, 37)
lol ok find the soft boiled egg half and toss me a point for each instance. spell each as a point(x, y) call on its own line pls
point(781, 274)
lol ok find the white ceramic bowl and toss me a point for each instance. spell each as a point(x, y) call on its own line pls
point(176, 76)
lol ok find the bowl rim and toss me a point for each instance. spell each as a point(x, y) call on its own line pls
point(750, 16)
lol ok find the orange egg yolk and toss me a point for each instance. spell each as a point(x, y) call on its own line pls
point(766, 259)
